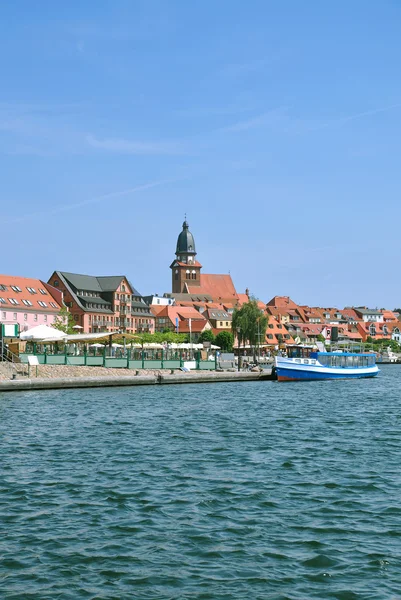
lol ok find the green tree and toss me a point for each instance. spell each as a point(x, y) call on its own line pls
point(225, 340)
point(321, 338)
point(252, 324)
point(206, 336)
point(64, 321)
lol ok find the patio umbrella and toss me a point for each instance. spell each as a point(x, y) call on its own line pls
point(42, 332)
point(77, 327)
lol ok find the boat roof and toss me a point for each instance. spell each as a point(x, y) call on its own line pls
point(346, 353)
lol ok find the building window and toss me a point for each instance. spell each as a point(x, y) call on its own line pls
point(45, 318)
point(4, 315)
point(15, 316)
point(43, 292)
point(25, 317)
point(35, 318)
point(55, 283)
point(31, 290)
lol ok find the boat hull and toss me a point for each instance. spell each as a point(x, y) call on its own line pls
point(310, 370)
point(286, 374)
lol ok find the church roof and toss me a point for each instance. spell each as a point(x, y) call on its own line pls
point(216, 286)
point(185, 241)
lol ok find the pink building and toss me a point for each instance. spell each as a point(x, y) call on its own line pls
point(28, 302)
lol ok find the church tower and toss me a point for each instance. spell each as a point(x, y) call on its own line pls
point(185, 268)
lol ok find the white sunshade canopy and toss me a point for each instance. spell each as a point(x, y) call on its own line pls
point(42, 332)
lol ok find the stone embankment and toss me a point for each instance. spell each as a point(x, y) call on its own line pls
point(60, 377)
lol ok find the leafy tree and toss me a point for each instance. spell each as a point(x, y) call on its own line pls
point(321, 338)
point(252, 323)
point(225, 340)
point(206, 336)
point(64, 321)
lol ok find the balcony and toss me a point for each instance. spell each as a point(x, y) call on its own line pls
point(100, 323)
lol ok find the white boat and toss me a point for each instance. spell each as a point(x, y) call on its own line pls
point(387, 356)
point(304, 363)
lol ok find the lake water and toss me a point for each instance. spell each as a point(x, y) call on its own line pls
point(214, 491)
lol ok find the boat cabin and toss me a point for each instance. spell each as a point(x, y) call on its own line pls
point(300, 351)
point(353, 361)
point(331, 359)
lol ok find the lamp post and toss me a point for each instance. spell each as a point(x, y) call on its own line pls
point(239, 348)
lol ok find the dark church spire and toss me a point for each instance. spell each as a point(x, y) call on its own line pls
point(185, 242)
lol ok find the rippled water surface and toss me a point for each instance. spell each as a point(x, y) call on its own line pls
point(216, 491)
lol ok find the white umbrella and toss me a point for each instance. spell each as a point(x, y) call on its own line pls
point(42, 332)
point(115, 345)
point(77, 327)
point(96, 346)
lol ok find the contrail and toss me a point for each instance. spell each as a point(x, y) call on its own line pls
point(367, 113)
point(95, 200)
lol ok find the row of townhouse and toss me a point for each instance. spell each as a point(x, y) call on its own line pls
point(97, 304)
point(112, 304)
point(355, 324)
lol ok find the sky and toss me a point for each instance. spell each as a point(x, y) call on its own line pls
point(274, 126)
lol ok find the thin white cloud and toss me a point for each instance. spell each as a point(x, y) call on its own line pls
point(134, 146)
point(368, 113)
point(271, 117)
point(94, 200)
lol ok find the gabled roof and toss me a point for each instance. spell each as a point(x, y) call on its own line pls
point(219, 287)
point(82, 282)
point(92, 283)
point(23, 283)
point(349, 313)
point(368, 311)
point(282, 302)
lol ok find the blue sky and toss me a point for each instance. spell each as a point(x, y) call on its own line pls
point(276, 126)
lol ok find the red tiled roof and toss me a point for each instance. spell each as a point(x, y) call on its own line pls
point(350, 313)
point(34, 298)
point(156, 309)
point(188, 265)
point(219, 287)
point(196, 326)
point(282, 302)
